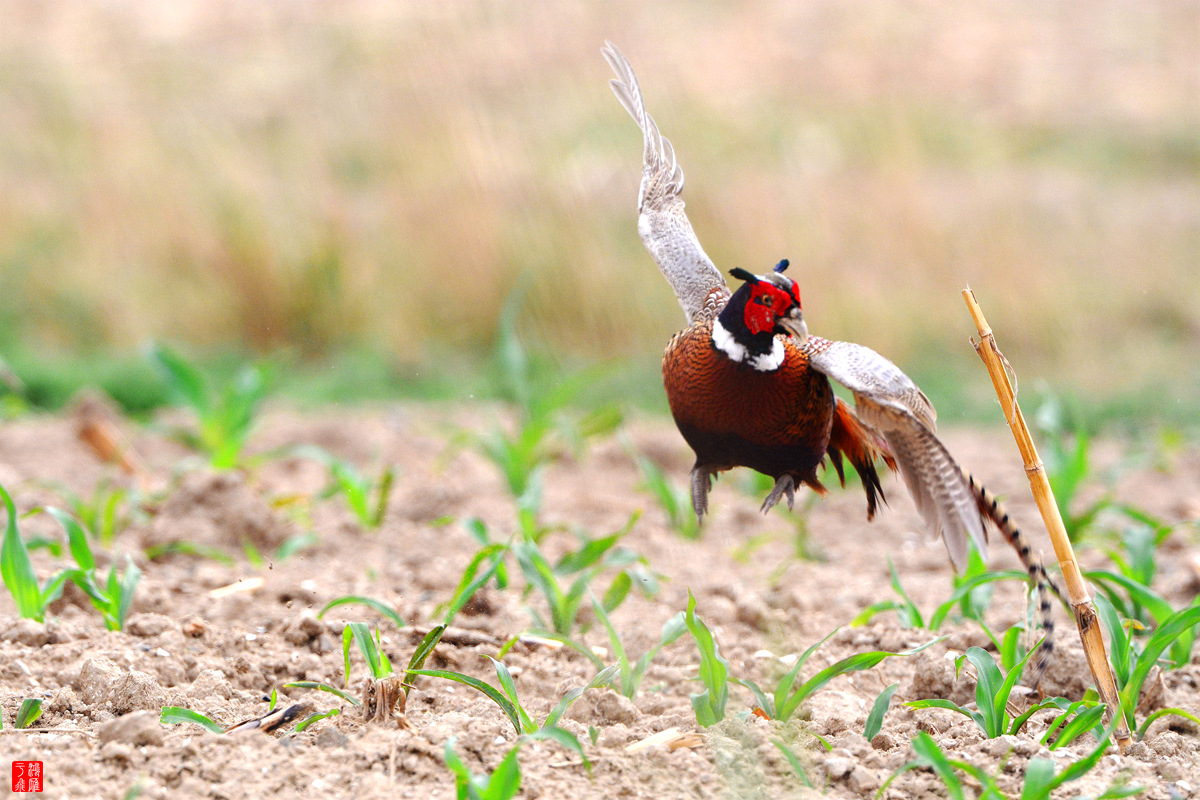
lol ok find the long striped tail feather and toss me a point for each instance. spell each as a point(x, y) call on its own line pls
point(1040, 581)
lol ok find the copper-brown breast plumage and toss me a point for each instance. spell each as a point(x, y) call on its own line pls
point(734, 415)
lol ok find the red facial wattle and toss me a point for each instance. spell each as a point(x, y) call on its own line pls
point(766, 304)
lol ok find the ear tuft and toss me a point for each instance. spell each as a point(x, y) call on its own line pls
point(743, 275)
point(782, 265)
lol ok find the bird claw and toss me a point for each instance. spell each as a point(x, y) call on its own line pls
point(701, 486)
point(784, 484)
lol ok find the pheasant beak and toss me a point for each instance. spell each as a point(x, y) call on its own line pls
point(794, 324)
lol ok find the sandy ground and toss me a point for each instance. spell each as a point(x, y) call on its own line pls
point(100, 735)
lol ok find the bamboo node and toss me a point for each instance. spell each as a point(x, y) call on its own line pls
point(1036, 468)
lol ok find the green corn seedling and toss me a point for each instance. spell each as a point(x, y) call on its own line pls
point(113, 596)
point(224, 416)
point(383, 689)
point(709, 704)
point(28, 713)
point(785, 700)
point(1142, 604)
point(104, 513)
point(479, 532)
point(378, 605)
point(17, 570)
point(879, 709)
point(502, 784)
point(174, 715)
point(793, 762)
point(992, 690)
point(505, 696)
point(631, 674)
point(1041, 775)
point(565, 585)
point(486, 564)
point(189, 549)
point(672, 498)
point(540, 429)
point(971, 597)
point(1132, 661)
point(367, 497)
point(377, 661)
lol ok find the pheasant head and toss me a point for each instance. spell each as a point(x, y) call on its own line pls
point(763, 307)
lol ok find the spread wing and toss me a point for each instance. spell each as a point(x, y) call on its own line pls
point(888, 401)
point(662, 223)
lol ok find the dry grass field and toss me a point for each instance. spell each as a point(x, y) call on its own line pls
point(319, 176)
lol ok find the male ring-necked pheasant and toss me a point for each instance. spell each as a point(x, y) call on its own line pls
point(749, 387)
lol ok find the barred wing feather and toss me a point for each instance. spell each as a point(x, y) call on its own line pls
point(887, 400)
point(662, 222)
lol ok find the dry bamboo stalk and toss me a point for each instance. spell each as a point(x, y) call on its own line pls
point(1081, 602)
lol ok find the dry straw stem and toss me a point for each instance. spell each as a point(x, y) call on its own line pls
point(1081, 602)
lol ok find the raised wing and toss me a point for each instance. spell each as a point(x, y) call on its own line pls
point(888, 401)
point(662, 223)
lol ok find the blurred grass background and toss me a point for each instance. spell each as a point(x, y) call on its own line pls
point(360, 185)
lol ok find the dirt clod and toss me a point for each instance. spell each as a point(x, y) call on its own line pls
point(139, 728)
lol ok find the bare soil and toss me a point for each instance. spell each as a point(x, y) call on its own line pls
point(222, 655)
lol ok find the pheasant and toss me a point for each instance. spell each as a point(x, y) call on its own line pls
point(748, 386)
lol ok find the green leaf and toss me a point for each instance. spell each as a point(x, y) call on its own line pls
point(794, 761)
point(943, 610)
point(1162, 638)
point(1083, 722)
point(910, 615)
point(603, 678)
point(510, 689)
point(189, 549)
point(472, 579)
point(17, 569)
point(878, 710)
point(77, 540)
point(382, 494)
point(28, 713)
point(988, 696)
point(938, 702)
point(184, 379)
point(323, 687)
point(424, 648)
point(1019, 722)
point(853, 663)
point(302, 726)
point(124, 594)
point(462, 776)
point(295, 544)
point(562, 737)
point(784, 687)
point(361, 635)
point(591, 554)
point(1162, 712)
point(492, 692)
point(173, 715)
point(765, 703)
point(709, 705)
point(928, 751)
point(370, 602)
point(505, 781)
point(867, 614)
point(617, 591)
